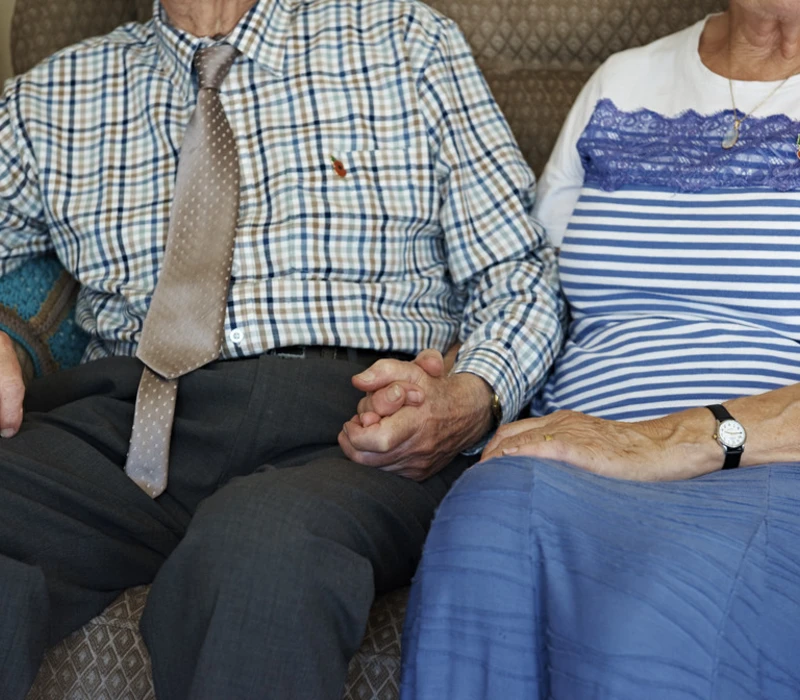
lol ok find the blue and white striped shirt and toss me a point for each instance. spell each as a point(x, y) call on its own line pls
point(680, 259)
point(428, 238)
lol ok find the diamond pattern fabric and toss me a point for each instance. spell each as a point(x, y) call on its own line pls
point(144, 10)
point(565, 34)
point(536, 55)
point(40, 27)
point(535, 104)
point(105, 660)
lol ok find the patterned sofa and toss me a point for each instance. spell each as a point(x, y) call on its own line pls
point(536, 55)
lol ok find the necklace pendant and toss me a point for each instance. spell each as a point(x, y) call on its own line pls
point(731, 136)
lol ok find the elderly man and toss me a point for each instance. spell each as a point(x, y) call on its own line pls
point(259, 198)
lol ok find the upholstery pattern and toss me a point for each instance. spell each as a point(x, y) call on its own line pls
point(565, 34)
point(537, 54)
point(107, 659)
point(144, 10)
point(40, 28)
point(104, 660)
point(375, 669)
point(535, 104)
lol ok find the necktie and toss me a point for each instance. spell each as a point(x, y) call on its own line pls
point(184, 324)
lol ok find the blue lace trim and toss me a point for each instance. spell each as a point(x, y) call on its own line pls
point(685, 153)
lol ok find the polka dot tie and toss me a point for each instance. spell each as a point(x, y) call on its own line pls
point(184, 325)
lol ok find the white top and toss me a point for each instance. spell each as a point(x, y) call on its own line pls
point(667, 77)
point(680, 260)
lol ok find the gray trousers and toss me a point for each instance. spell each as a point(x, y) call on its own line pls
point(265, 552)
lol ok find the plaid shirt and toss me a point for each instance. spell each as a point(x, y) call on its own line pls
point(427, 237)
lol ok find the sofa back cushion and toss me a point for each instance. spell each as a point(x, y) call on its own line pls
point(536, 54)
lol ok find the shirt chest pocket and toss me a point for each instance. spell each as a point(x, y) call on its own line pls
point(376, 183)
point(356, 215)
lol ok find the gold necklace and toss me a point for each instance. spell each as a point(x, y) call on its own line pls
point(732, 135)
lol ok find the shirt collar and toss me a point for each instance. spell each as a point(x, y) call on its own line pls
point(260, 36)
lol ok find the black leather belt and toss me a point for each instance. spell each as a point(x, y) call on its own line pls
point(332, 352)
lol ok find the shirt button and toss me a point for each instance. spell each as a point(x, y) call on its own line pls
point(236, 336)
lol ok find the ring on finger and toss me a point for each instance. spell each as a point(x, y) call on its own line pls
point(547, 437)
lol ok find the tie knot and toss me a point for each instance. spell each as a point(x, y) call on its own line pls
point(213, 64)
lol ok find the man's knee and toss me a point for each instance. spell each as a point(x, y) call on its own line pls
point(258, 568)
point(279, 534)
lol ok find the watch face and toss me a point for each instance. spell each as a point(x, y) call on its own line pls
point(731, 433)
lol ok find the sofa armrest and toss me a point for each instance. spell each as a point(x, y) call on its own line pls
point(37, 310)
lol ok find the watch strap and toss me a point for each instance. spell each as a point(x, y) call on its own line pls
point(720, 412)
point(733, 455)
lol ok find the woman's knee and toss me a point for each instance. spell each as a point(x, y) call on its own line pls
point(486, 513)
point(489, 486)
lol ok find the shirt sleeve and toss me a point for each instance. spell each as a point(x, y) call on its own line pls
point(23, 229)
point(562, 179)
point(499, 257)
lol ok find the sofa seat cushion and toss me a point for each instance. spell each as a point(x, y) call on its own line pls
point(374, 672)
point(104, 660)
point(107, 660)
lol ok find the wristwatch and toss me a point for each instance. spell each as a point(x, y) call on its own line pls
point(497, 411)
point(730, 435)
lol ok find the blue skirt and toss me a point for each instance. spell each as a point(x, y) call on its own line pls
point(543, 581)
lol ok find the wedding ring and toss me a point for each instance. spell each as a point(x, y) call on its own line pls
point(548, 438)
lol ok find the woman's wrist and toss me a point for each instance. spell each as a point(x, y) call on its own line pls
point(686, 443)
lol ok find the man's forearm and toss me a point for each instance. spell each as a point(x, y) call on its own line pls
point(471, 408)
point(514, 317)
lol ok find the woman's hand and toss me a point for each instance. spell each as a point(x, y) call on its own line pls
point(680, 446)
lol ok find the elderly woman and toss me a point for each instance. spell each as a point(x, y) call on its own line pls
point(645, 543)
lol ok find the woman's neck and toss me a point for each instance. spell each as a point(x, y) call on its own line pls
point(206, 17)
point(746, 43)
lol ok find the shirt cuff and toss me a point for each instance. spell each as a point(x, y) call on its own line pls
point(498, 367)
